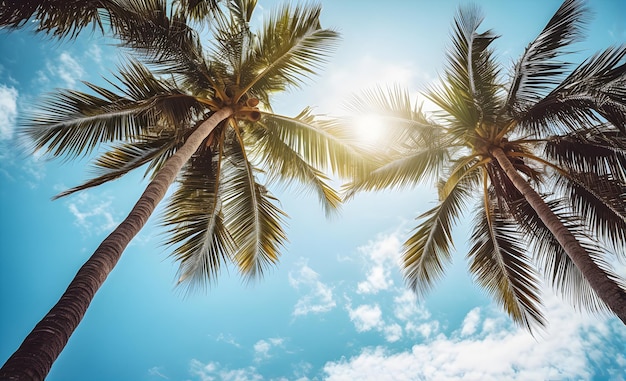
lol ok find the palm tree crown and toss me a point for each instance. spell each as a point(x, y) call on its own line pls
point(543, 153)
point(220, 210)
point(202, 117)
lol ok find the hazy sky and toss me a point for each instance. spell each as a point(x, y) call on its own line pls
point(335, 308)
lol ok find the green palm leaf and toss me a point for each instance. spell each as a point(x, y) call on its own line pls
point(558, 268)
point(286, 164)
point(73, 123)
point(596, 88)
point(471, 91)
point(291, 46)
point(537, 70)
point(254, 222)
point(498, 262)
point(195, 222)
point(427, 251)
point(121, 160)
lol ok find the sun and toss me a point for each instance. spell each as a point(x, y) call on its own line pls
point(370, 129)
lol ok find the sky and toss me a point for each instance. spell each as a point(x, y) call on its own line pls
point(335, 307)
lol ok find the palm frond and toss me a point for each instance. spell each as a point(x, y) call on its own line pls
point(163, 39)
point(58, 18)
point(285, 164)
point(198, 10)
point(470, 93)
point(427, 251)
point(538, 70)
point(602, 202)
point(195, 222)
point(325, 144)
point(499, 263)
point(126, 157)
point(407, 170)
point(73, 123)
point(251, 217)
point(291, 47)
point(558, 268)
point(598, 149)
point(595, 91)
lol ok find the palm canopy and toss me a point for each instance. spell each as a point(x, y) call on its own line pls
point(62, 18)
point(221, 210)
point(564, 132)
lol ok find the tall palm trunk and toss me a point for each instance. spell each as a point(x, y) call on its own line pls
point(607, 289)
point(34, 358)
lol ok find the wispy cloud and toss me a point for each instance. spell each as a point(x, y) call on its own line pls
point(228, 339)
point(262, 348)
point(93, 214)
point(381, 257)
point(65, 67)
point(486, 347)
point(368, 317)
point(318, 297)
point(8, 111)
point(157, 371)
point(213, 371)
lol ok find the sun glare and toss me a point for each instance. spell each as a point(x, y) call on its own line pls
point(370, 128)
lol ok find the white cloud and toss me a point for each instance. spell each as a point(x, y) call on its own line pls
point(566, 350)
point(426, 330)
point(262, 348)
point(213, 371)
point(366, 317)
point(95, 53)
point(407, 308)
point(393, 332)
point(8, 111)
point(93, 215)
point(319, 297)
point(66, 68)
point(157, 371)
point(229, 339)
point(471, 321)
point(381, 258)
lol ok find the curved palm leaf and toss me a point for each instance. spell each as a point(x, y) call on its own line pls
point(195, 220)
point(291, 46)
point(499, 263)
point(594, 89)
point(537, 71)
point(557, 266)
point(285, 163)
point(323, 144)
point(601, 150)
point(427, 251)
point(602, 200)
point(73, 123)
point(251, 217)
point(121, 160)
point(470, 92)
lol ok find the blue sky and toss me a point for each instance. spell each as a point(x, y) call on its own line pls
point(335, 308)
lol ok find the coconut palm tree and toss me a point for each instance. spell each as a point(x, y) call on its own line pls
point(543, 153)
point(204, 118)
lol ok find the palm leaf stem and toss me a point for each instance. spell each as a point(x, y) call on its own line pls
point(34, 358)
point(606, 288)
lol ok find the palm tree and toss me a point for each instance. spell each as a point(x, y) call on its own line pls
point(543, 155)
point(203, 118)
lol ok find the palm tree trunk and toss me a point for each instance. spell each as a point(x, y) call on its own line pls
point(34, 358)
point(607, 289)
